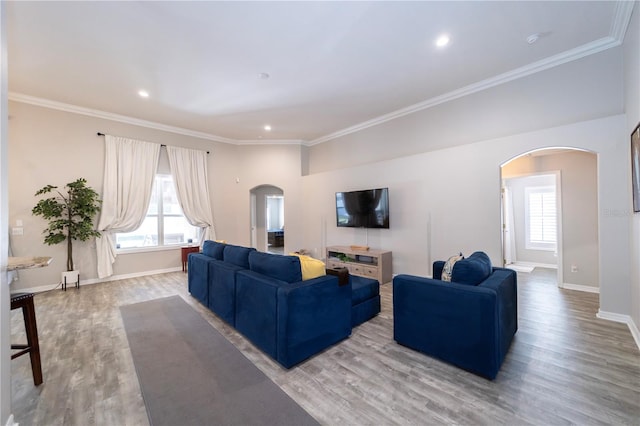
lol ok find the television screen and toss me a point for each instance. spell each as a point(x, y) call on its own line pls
point(363, 209)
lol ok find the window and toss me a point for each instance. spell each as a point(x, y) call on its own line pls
point(541, 228)
point(164, 225)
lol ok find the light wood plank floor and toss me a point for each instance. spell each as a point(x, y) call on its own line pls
point(564, 367)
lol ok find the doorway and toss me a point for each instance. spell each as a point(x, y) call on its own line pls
point(532, 212)
point(267, 218)
point(550, 215)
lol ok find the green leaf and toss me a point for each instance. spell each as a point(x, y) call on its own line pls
point(69, 215)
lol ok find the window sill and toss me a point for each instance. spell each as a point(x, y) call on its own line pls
point(151, 249)
point(540, 247)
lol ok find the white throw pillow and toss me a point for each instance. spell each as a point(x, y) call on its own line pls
point(448, 267)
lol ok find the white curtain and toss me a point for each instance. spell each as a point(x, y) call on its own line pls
point(129, 172)
point(189, 170)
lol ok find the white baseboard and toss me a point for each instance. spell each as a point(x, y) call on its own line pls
point(580, 287)
point(625, 319)
point(634, 332)
point(92, 281)
point(10, 421)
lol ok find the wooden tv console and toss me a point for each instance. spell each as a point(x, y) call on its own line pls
point(366, 263)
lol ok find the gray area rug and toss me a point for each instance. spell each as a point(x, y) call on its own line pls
point(192, 375)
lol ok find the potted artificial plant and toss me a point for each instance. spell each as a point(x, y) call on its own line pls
point(70, 214)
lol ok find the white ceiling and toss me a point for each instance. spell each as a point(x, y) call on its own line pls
point(333, 66)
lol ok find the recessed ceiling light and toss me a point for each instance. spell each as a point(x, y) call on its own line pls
point(143, 93)
point(267, 128)
point(263, 76)
point(442, 40)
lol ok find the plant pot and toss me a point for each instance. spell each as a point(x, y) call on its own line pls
point(70, 277)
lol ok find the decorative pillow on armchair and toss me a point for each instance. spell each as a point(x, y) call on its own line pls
point(473, 270)
point(448, 267)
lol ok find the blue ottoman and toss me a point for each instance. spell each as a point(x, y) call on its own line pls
point(365, 299)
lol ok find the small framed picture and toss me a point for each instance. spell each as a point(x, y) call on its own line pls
point(635, 167)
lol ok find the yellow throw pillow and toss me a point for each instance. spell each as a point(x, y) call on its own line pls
point(311, 268)
point(221, 241)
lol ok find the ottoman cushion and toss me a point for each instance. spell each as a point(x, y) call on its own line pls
point(363, 289)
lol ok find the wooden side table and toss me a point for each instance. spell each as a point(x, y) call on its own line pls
point(185, 255)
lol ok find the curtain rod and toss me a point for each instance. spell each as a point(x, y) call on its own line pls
point(102, 134)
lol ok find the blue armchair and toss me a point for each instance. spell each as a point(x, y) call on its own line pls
point(468, 322)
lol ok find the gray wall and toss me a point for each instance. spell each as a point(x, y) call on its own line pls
point(447, 201)
point(632, 109)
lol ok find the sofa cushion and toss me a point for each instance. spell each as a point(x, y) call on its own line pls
point(311, 268)
point(448, 267)
point(213, 249)
point(472, 270)
point(363, 289)
point(237, 255)
point(283, 268)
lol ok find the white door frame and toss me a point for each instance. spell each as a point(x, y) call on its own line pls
point(253, 224)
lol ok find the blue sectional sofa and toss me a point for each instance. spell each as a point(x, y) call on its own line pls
point(287, 318)
point(468, 322)
point(264, 297)
point(212, 276)
point(365, 299)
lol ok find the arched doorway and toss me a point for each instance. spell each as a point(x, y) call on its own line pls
point(550, 215)
point(267, 218)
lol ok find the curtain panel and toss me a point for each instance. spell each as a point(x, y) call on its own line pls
point(129, 172)
point(189, 170)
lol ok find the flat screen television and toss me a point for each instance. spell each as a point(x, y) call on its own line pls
point(363, 209)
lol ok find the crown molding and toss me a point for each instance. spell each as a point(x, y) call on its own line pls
point(621, 19)
point(270, 142)
point(535, 67)
point(46, 103)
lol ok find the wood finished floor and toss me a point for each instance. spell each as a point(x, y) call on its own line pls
point(565, 366)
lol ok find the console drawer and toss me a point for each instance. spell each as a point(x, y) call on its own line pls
point(370, 271)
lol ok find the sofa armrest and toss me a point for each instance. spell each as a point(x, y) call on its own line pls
point(341, 273)
point(312, 315)
point(292, 321)
point(454, 322)
point(505, 283)
point(438, 266)
point(198, 276)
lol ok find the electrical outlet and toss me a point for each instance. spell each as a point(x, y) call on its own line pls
point(17, 231)
point(574, 268)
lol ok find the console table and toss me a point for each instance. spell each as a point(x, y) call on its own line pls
point(365, 263)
